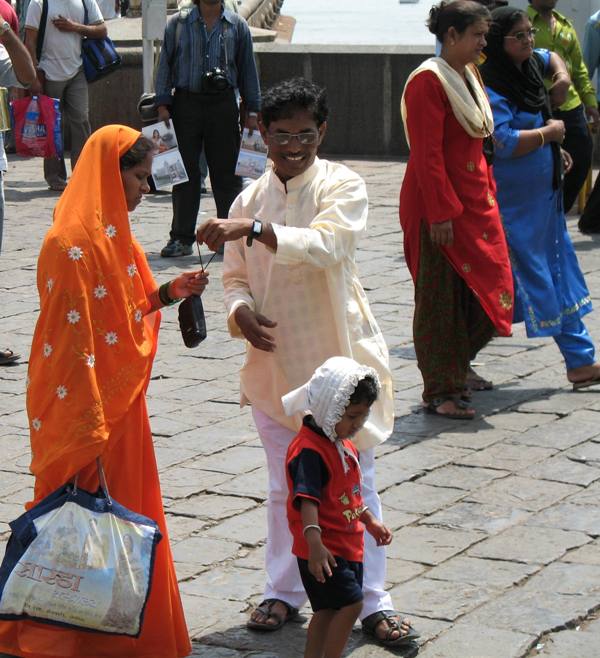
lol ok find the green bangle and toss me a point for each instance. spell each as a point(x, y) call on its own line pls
point(163, 295)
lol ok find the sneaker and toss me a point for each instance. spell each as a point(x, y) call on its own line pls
point(175, 248)
point(57, 186)
point(588, 227)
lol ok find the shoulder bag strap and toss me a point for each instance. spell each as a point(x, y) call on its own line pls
point(173, 58)
point(85, 13)
point(41, 30)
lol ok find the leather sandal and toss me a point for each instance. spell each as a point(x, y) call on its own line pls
point(266, 608)
point(461, 413)
point(394, 622)
point(8, 356)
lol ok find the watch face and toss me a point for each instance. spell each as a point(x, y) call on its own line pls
point(257, 227)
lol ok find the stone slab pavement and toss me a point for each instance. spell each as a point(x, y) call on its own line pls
point(497, 521)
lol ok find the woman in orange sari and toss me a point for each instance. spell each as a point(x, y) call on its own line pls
point(89, 367)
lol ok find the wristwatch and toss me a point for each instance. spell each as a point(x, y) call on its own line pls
point(4, 27)
point(255, 232)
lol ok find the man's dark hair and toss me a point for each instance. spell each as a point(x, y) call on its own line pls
point(365, 392)
point(284, 99)
point(137, 153)
point(459, 14)
point(493, 4)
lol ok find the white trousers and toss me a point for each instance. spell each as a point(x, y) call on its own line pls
point(283, 576)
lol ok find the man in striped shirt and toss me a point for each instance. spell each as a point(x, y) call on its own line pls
point(207, 58)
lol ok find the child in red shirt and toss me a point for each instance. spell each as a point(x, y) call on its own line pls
point(325, 509)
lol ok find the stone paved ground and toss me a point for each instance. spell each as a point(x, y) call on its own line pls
point(496, 551)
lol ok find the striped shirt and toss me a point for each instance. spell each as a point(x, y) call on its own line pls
point(227, 46)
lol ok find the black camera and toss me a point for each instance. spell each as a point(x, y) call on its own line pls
point(215, 80)
point(191, 321)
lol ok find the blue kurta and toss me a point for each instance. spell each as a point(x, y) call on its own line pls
point(550, 289)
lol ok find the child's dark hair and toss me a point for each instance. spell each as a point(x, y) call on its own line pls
point(365, 392)
point(459, 14)
point(285, 98)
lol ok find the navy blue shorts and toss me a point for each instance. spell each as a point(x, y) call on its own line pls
point(343, 588)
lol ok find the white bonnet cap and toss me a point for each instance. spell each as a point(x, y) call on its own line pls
point(327, 394)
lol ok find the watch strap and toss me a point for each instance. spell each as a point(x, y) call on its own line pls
point(255, 232)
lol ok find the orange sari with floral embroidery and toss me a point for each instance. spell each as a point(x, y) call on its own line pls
point(89, 368)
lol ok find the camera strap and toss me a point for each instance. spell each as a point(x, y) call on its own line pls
point(202, 267)
point(222, 48)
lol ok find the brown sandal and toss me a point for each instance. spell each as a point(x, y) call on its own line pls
point(266, 608)
point(8, 356)
point(463, 411)
point(394, 622)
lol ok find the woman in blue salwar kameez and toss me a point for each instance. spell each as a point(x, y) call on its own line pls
point(551, 295)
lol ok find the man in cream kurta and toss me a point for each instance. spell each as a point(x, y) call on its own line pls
point(309, 286)
point(298, 282)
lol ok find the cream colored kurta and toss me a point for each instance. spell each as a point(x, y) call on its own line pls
point(309, 286)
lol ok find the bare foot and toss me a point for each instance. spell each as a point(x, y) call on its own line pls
point(477, 382)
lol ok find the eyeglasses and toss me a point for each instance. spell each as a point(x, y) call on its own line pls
point(524, 36)
point(307, 137)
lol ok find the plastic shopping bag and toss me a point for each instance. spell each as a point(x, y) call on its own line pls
point(79, 560)
point(37, 126)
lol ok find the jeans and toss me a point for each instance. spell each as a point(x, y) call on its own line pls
point(578, 143)
point(209, 121)
point(73, 96)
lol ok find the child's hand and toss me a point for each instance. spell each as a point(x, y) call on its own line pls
point(380, 533)
point(320, 562)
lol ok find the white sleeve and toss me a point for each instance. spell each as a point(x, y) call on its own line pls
point(236, 291)
point(7, 75)
point(34, 13)
point(94, 13)
point(333, 233)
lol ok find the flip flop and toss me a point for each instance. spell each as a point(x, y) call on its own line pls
point(8, 356)
point(432, 408)
point(266, 608)
point(394, 621)
point(586, 383)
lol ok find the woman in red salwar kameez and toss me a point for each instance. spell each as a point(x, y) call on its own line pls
point(453, 238)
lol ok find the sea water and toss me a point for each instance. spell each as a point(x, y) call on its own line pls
point(360, 22)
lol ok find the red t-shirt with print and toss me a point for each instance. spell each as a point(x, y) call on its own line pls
point(314, 471)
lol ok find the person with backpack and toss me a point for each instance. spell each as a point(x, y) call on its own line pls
point(54, 30)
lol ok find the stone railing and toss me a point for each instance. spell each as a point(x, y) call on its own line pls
point(260, 13)
point(135, 7)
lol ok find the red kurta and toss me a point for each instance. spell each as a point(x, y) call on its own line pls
point(448, 178)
